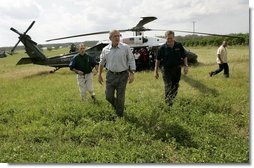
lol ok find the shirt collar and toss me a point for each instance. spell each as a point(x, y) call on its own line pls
point(118, 46)
point(83, 55)
point(175, 43)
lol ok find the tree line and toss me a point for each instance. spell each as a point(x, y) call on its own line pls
point(196, 40)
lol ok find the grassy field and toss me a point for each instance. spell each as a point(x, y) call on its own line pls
point(42, 119)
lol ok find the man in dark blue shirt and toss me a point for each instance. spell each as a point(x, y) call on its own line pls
point(83, 64)
point(170, 56)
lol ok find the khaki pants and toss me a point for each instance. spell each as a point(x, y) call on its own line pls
point(85, 83)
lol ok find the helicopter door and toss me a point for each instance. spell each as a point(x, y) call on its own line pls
point(138, 40)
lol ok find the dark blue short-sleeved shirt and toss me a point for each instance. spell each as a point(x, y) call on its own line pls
point(171, 57)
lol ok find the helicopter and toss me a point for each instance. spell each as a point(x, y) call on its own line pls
point(35, 54)
point(3, 54)
point(151, 44)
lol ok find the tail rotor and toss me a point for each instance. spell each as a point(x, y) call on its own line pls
point(21, 35)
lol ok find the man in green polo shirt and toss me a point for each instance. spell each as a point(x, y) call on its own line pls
point(83, 64)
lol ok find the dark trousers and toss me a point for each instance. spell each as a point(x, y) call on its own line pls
point(171, 77)
point(115, 90)
point(222, 67)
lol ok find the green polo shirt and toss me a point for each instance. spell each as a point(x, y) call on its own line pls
point(82, 63)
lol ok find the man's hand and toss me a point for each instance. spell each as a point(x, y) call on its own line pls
point(80, 72)
point(185, 70)
point(95, 72)
point(131, 77)
point(156, 74)
point(100, 79)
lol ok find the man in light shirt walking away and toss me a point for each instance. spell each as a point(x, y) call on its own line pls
point(222, 60)
point(120, 63)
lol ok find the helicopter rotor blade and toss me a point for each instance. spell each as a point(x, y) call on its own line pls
point(86, 34)
point(79, 35)
point(31, 25)
point(203, 33)
point(12, 50)
point(138, 27)
point(144, 21)
point(16, 31)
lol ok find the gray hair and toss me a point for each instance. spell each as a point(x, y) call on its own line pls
point(113, 31)
point(81, 44)
point(169, 32)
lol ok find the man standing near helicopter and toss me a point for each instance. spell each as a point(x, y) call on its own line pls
point(120, 63)
point(170, 56)
point(83, 64)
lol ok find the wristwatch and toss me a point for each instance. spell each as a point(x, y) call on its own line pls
point(131, 71)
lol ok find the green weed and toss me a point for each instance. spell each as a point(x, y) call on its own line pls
point(43, 120)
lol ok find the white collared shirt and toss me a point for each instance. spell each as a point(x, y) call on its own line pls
point(117, 59)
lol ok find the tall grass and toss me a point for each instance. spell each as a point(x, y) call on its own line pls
point(43, 120)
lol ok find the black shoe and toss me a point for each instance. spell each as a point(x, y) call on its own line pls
point(112, 118)
point(94, 99)
point(210, 74)
point(226, 75)
point(170, 104)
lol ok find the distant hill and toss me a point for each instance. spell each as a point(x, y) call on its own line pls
point(54, 45)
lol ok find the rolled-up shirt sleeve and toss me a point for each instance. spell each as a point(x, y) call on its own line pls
point(159, 54)
point(102, 58)
point(72, 63)
point(131, 60)
point(183, 53)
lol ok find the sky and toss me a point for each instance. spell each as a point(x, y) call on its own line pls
point(58, 18)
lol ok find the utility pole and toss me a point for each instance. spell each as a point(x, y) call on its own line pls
point(193, 26)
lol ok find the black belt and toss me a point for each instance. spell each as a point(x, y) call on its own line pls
point(117, 73)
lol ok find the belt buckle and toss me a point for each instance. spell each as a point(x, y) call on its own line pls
point(117, 73)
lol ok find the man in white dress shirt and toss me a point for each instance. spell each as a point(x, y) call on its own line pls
point(118, 59)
